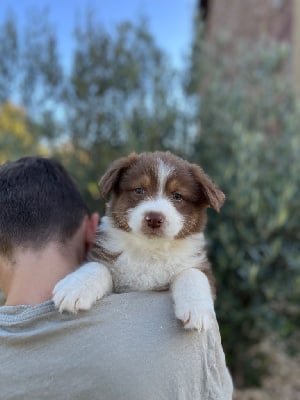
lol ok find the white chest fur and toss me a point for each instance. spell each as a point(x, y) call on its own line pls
point(147, 264)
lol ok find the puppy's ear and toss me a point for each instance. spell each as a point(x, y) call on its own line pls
point(209, 192)
point(112, 176)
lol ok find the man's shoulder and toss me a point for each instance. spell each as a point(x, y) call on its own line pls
point(109, 310)
point(131, 338)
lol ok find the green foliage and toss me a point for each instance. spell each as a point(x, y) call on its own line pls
point(31, 80)
point(250, 144)
point(18, 136)
point(8, 57)
point(30, 70)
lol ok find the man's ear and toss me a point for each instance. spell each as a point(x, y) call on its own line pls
point(110, 179)
point(209, 192)
point(91, 228)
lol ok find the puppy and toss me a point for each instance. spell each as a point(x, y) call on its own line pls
point(151, 238)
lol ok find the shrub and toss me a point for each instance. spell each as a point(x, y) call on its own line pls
point(250, 143)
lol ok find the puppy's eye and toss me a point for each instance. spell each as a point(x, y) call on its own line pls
point(176, 196)
point(139, 190)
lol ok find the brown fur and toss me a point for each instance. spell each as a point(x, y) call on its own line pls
point(128, 173)
point(98, 253)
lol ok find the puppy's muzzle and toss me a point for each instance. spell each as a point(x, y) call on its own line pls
point(154, 220)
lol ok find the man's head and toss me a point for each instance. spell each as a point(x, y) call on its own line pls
point(39, 203)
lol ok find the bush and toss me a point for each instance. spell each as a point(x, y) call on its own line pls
point(250, 144)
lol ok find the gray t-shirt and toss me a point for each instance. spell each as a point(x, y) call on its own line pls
point(127, 347)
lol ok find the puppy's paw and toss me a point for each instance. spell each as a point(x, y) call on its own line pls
point(71, 294)
point(80, 289)
point(195, 315)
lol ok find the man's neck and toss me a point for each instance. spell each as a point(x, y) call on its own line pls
point(35, 273)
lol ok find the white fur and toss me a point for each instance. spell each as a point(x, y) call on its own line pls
point(193, 299)
point(173, 219)
point(80, 289)
point(163, 173)
point(146, 264)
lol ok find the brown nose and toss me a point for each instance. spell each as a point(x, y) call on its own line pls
point(154, 219)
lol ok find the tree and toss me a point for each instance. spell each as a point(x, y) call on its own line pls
point(17, 134)
point(122, 96)
point(8, 57)
point(31, 74)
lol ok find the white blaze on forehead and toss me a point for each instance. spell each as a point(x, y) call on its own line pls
point(163, 172)
point(173, 220)
point(160, 203)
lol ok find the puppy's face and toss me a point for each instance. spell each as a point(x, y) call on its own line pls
point(159, 195)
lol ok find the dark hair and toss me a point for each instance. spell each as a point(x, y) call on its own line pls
point(39, 203)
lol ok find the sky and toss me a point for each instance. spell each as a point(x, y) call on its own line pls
point(170, 21)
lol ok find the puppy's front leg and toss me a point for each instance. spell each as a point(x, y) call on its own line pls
point(193, 299)
point(80, 289)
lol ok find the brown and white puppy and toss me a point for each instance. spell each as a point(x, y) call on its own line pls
point(151, 238)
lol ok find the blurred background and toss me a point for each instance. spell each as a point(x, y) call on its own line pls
point(216, 82)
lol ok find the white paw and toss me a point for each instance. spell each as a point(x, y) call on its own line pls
point(69, 295)
point(80, 289)
point(195, 315)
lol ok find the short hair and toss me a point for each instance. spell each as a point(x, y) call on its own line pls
point(39, 203)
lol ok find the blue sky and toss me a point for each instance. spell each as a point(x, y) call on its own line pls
point(170, 20)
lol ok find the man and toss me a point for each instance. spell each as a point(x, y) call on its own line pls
point(128, 346)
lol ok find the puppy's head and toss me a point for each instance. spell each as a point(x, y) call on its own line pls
point(159, 195)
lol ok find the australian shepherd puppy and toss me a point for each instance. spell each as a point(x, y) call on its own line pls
point(151, 238)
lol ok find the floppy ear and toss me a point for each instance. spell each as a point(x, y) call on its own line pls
point(112, 176)
point(210, 193)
